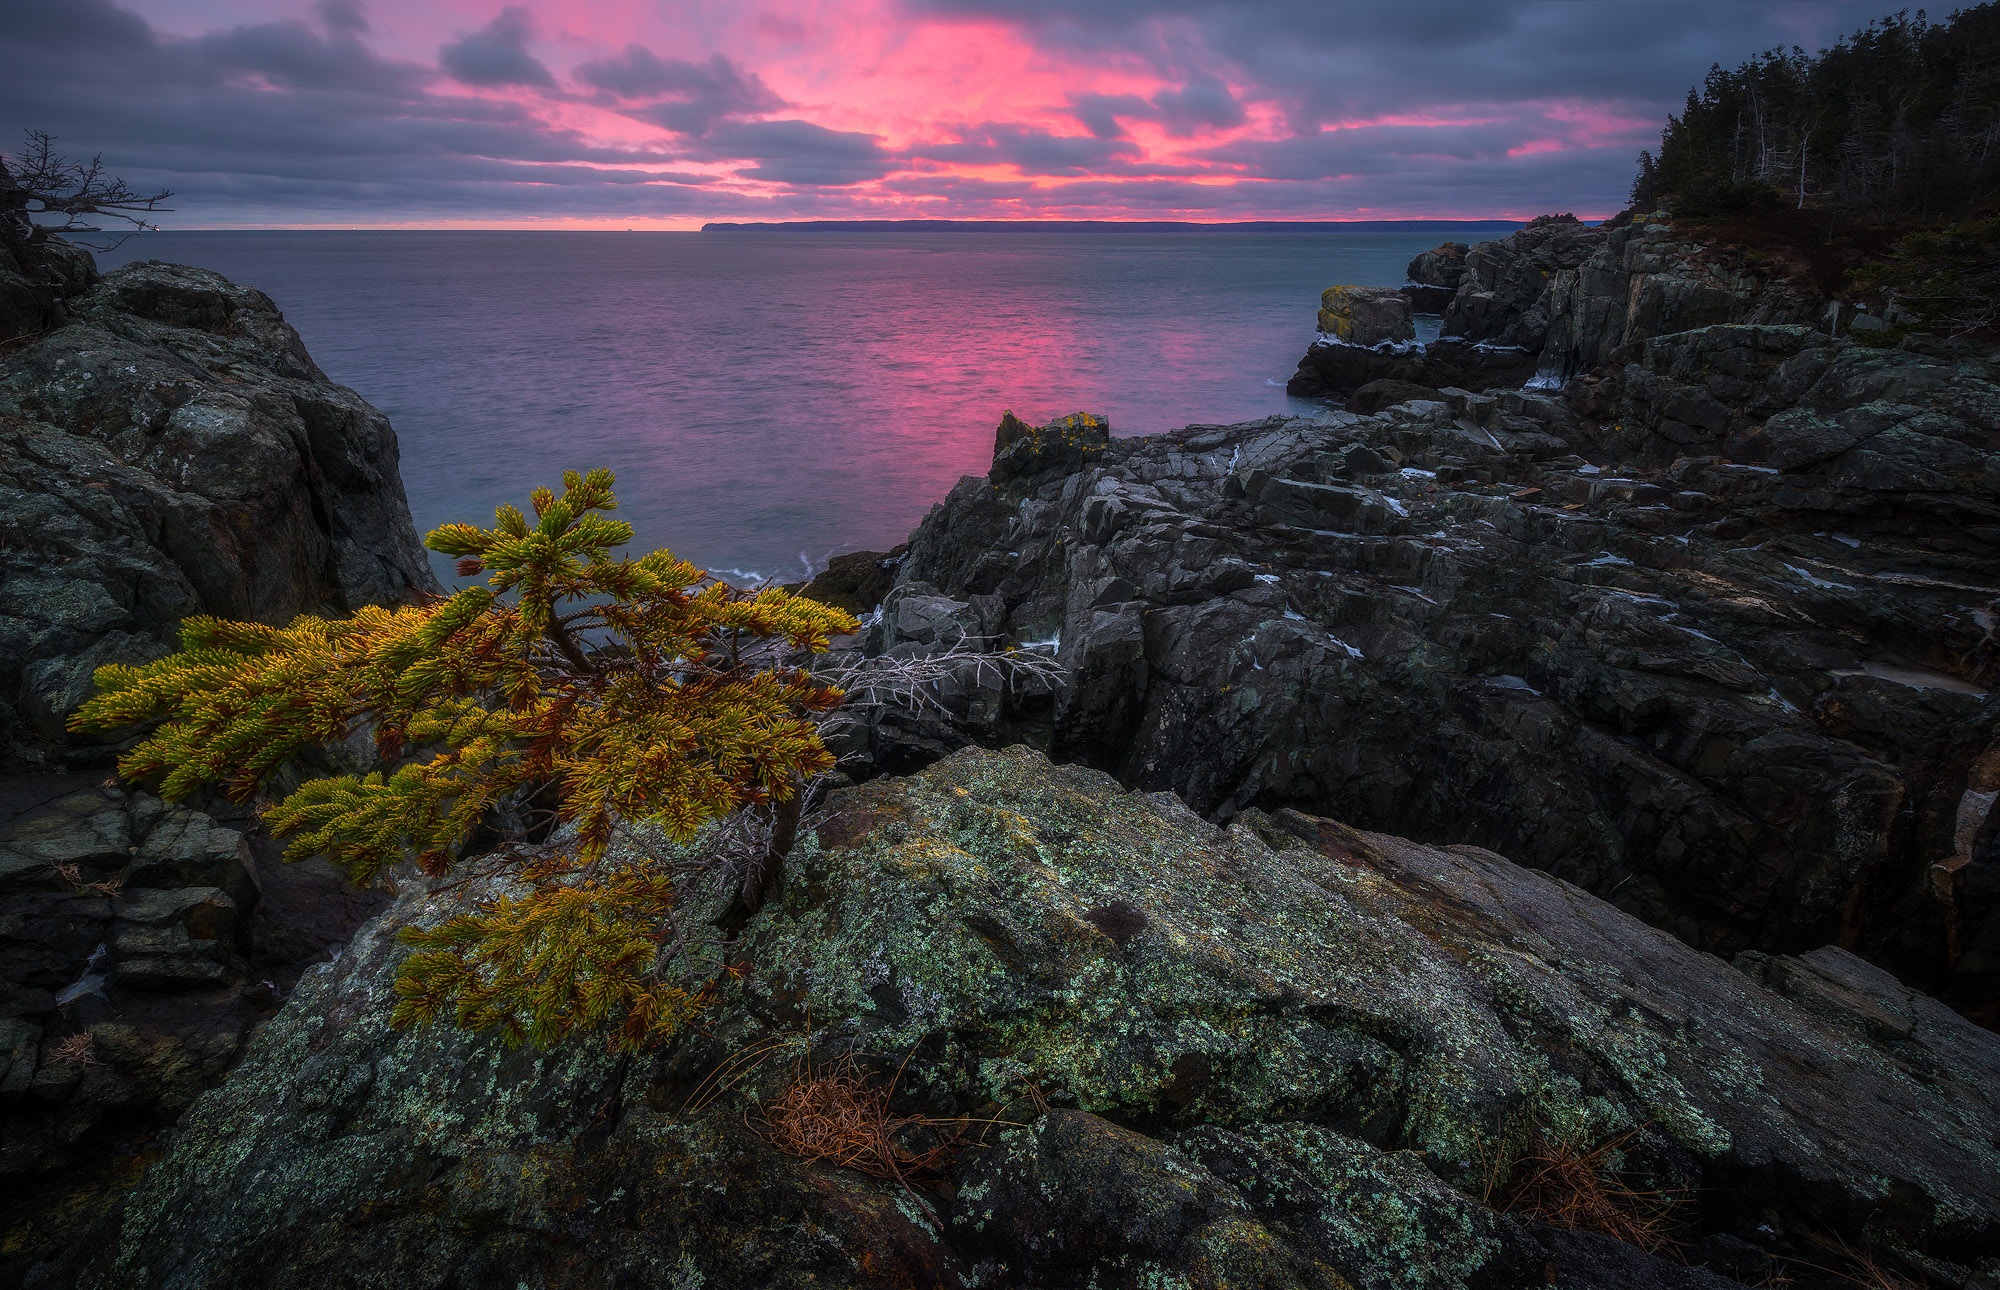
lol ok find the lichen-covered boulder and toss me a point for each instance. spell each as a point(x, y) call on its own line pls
point(1365, 316)
point(1284, 1053)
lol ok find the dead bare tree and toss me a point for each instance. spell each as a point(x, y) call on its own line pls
point(41, 182)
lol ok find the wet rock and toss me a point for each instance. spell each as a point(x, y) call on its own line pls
point(1298, 1071)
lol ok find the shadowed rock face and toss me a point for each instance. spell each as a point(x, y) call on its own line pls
point(167, 447)
point(1297, 1067)
point(1748, 702)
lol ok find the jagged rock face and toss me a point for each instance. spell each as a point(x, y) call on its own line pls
point(1642, 282)
point(1558, 299)
point(1500, 300)
point(172, 450)
point(1333, 370)
point(1441, 266)
point(1745, 702)
point(169, 448)
point(36, 278)
point(1282, 1054)
point(124, 983)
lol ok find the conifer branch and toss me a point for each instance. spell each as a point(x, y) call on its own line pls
point(685, 709)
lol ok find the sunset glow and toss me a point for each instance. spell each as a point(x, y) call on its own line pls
point(562, 114)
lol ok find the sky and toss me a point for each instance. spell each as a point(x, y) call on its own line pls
point(668, 113)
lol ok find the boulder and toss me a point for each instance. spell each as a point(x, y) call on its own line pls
point(1434, 277)
point(1365, 316)
point(1066, 444)
point(855, 581)
point(1285, 1053)
point(174, 450)
point(1376, 395)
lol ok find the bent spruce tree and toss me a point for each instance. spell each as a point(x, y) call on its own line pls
point(592, 690)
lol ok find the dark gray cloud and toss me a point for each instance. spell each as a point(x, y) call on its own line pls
point(1104, 115)
point(799, 152)
point(1033, 151)
point(342, 17)
point(289, 122)
point(62, 24)
point(497, 54)
point(1326, 62)
point(291, 55)
point(679, 95)
point(1204, 102)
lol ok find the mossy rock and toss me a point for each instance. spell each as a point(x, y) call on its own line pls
point(1284, 1053)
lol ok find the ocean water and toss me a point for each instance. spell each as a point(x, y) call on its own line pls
point(771, 398)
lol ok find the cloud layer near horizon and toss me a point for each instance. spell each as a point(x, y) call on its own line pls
point(627, 112)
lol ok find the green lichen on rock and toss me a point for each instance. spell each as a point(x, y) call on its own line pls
point(1248, 991)
point(1284, 1053)
point(1365, 315)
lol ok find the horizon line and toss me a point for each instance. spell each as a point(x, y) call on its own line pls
point(866, 225)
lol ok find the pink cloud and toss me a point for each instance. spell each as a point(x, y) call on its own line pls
point(645, 113)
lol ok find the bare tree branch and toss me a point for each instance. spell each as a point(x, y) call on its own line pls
point(39, 181)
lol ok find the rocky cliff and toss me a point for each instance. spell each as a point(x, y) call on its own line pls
point(167, 447)
point(1710, 632)
point(1560, 298)
point(1285, 1053)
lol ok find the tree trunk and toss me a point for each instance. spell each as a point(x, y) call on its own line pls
point(766, 877)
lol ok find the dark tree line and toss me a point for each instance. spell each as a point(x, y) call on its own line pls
point(1899, 121)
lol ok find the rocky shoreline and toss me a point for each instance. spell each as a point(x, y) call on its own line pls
point(1699, 628)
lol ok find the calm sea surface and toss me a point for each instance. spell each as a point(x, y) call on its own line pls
point(770, 398)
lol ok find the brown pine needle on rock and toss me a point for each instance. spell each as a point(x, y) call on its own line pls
point(838, 1116)
point(1573, 1187)
point(77, 1051)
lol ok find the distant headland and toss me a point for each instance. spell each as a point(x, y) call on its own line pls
point(1122, 226)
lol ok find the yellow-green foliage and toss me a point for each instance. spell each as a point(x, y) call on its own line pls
point(610, 689)
point(1336, 312)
